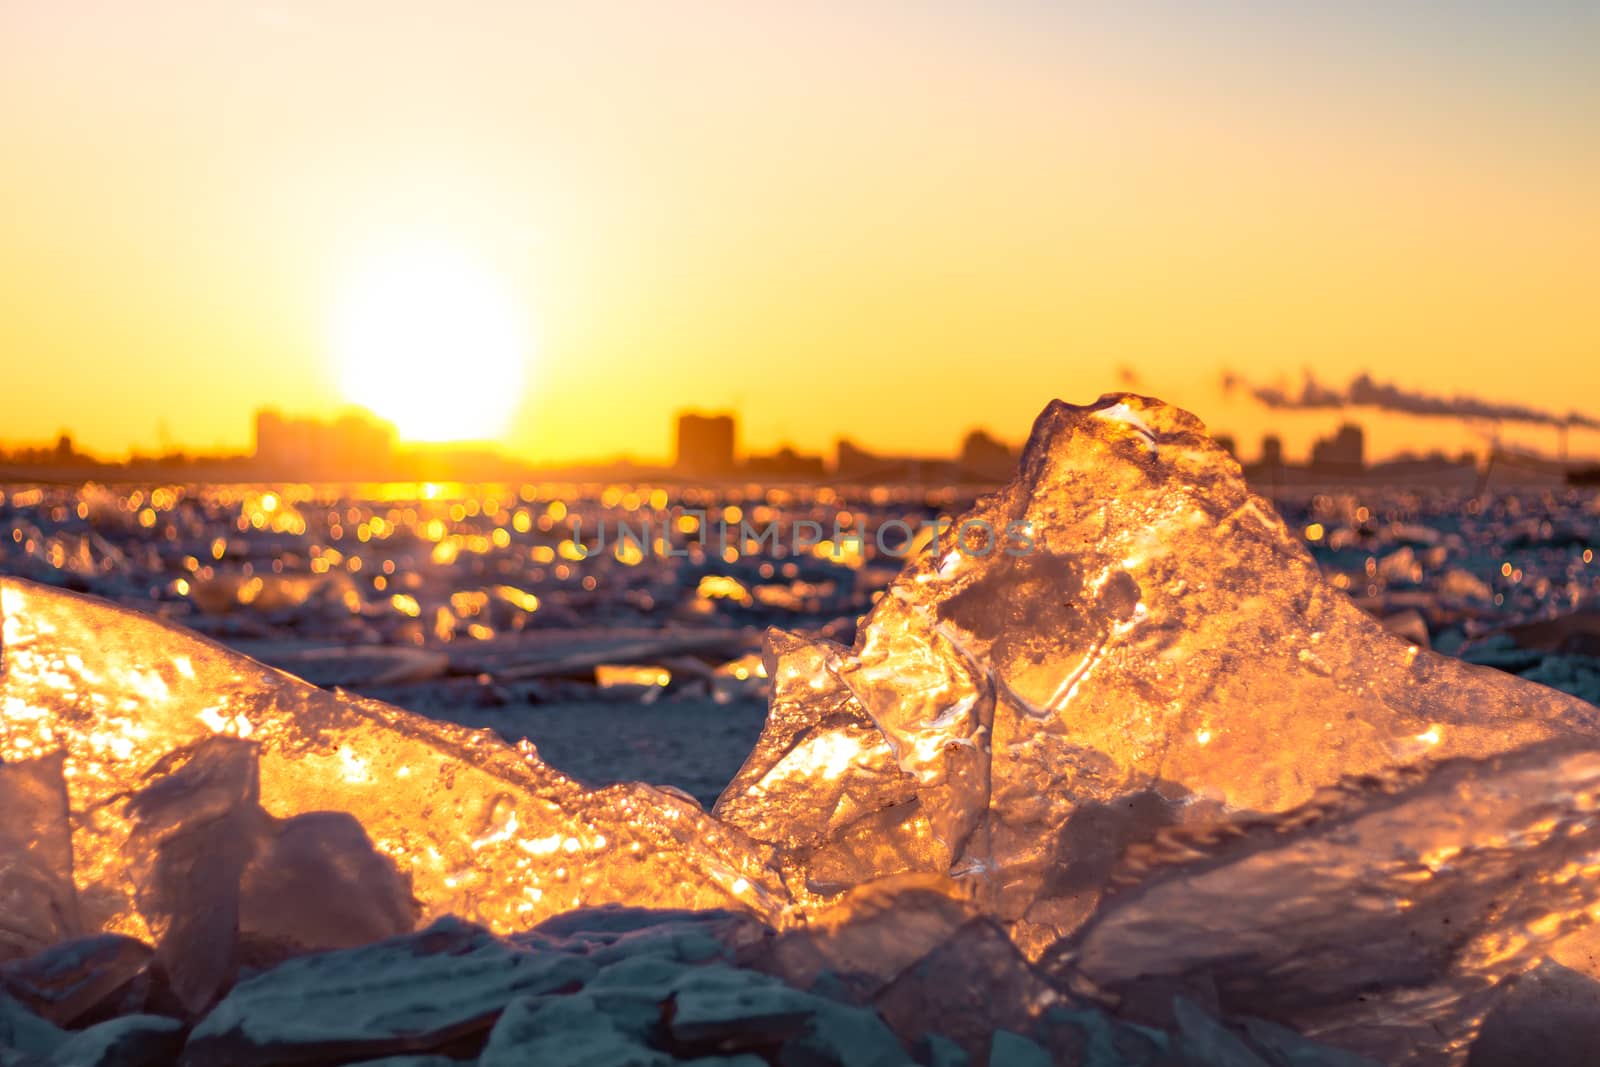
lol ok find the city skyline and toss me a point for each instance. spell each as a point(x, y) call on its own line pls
point(707, 446)
point(1296, 430)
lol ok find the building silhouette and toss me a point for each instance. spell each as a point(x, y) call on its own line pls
point(705, 444)
point(1343, 453)
point(351, 446)
point(786, 463)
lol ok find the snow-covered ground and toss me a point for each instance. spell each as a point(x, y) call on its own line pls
point(693, 745)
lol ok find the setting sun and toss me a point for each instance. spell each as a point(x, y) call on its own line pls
point(431, 341)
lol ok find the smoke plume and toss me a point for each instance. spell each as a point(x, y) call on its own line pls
point(1363, 391)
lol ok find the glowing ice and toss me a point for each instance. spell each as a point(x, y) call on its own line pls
point(484, 831)
point(40, 901)
point(1162, 650)
point(821, 783)
point(1379, 918)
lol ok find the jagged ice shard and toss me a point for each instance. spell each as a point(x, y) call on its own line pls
point(1114, 711)
point(1161, 650)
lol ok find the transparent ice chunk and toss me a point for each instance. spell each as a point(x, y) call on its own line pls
point(483, 830)
point(1126, 623)
point(822, 784)
point(38, 901)
point(223, 884)
point(1379, 919)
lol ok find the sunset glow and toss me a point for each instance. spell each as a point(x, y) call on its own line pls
point(814, 208)
point(428, 340)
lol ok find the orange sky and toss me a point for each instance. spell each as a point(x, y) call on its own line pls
point(895, 223)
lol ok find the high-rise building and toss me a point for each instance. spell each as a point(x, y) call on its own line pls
point(705, 444)
point(1345, 451)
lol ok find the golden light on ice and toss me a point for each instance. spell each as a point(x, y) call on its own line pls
point(432, 341)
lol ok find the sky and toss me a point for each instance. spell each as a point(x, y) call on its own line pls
point(888, 221)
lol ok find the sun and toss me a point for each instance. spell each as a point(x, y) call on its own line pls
point(431, 341)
